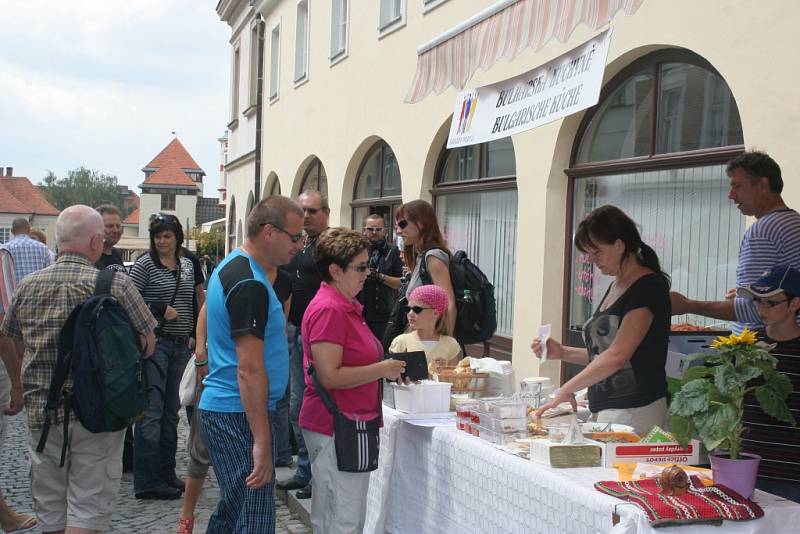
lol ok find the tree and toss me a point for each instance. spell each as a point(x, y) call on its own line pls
point(83, 186)
point(211, 243)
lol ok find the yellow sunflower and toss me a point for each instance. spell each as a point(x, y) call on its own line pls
point(745, 338)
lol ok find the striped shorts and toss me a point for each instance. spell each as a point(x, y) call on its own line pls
point(230, 445)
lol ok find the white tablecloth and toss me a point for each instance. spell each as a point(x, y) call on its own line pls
point(441, 480)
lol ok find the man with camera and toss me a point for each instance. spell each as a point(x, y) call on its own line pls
point(385, 272)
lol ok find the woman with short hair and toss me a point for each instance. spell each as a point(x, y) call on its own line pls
point(348, 363)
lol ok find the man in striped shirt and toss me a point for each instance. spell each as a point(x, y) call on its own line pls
point(773, 239)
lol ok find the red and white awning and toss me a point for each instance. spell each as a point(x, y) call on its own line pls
point(504, 30)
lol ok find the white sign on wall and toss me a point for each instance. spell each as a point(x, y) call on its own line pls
point(561, 87)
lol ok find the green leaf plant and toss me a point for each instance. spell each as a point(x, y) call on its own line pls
point(710, 403)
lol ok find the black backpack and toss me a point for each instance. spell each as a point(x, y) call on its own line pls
point(100, 348)
point(476, 314)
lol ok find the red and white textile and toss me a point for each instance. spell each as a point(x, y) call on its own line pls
point(523, 24)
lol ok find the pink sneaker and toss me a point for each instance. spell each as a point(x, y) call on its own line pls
point(185, 525)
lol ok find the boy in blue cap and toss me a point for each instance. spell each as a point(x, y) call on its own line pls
point(776, 296)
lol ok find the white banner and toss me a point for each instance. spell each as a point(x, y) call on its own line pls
point(561, 87)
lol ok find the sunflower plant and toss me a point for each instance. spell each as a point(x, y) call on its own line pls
point(710, 402)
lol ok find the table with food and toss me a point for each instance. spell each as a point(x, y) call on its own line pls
point(463, 452)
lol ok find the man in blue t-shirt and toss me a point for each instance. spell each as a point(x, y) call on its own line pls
point(248, 367)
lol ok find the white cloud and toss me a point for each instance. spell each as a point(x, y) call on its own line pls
point(102, 83)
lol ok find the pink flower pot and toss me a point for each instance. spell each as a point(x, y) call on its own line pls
point(739, 475)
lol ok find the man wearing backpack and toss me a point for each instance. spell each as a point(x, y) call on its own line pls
point(80, 496)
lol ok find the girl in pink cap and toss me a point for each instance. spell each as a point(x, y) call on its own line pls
point(427, 322)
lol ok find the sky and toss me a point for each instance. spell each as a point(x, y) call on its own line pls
point(103, 83)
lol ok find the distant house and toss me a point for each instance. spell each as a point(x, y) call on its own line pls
point(20, 198)
point(173, 183)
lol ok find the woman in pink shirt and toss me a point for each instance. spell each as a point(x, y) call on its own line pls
point(348, 361)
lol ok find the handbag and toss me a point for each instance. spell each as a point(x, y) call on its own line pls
point(188, 385)
point(357, 440)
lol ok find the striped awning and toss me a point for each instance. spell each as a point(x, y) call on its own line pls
point(504, 30)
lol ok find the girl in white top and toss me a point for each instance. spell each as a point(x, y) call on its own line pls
point(427, 321)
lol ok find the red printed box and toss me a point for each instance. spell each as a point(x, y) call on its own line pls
point(652, 453)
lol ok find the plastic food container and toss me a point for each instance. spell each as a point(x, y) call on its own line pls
point(509, 409)
point(499, 438)
point(425, 397)
point(516, 424)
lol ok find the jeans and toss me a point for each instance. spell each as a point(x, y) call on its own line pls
point(297, 386)
point(280, 429)
point(155, 437)
point(230, 445)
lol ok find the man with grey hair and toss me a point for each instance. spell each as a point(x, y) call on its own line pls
point(248, 367)
point(29, 255)
point(81, 496)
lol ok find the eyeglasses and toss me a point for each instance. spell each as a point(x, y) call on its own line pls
point(358, 268)
point(294, 237)
point(768, 303)
point(311, 211)
point(416, 309)
point(402, 223)
point(374, 229)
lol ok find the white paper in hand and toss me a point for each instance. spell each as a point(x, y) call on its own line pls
point(544, 335)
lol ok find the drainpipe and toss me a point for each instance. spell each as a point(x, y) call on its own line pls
point(259, 99)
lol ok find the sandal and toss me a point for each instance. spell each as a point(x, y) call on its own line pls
point(185, 525)
point(27, 524)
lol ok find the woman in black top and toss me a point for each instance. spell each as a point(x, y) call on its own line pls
point(627, 336)
point(166, 280)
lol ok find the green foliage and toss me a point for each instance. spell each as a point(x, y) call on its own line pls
point(82, 186)
point(211, 243)
point(711, 400)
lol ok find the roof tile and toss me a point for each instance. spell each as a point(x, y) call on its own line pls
point(170, 174)
point(19, 195)
point(132, 218)
point(177, 152)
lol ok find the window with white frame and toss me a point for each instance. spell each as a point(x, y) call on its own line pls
point(274, 61)
point(301, 42)
point(5, 235)
point(339, 13)
point(235, 87)
point(253, 65)
point(391, 12)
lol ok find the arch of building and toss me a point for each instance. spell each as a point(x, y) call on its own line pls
point(269, 184)
point(250, 202)
point(297, 182)
point(351, 173)
point(230, 225)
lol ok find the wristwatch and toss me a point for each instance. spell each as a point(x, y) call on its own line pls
point(382, 278)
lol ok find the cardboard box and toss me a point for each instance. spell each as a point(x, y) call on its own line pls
point(546, 452)
point(652, 453)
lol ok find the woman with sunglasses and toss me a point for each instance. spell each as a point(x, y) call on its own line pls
point(427, 321)
point(417, 224)
point(627, 336)
point(348, 363)
point(166, 280)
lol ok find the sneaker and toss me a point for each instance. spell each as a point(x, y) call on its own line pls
point(185, 525)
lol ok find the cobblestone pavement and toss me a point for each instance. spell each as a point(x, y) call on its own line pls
point(130, 515)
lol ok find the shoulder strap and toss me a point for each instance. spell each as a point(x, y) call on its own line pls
point(322, 392)
point(424, 275)
point(177, 282)
point(103, 284)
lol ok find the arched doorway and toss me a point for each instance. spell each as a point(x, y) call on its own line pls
point(315, 178)
point(377, 188)
point(656, 145)
point(273, 186)
point(231, 225)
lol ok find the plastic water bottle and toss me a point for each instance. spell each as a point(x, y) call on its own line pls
point(467, 296)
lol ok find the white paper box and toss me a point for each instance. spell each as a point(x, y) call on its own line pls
point(425, 397)
point(651, 453)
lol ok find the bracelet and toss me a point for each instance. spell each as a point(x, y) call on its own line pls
point(201, 364)
point(383, 278)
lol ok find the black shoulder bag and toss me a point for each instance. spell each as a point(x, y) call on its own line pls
point(357, 441)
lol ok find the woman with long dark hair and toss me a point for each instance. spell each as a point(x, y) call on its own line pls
point(626, 337)
point(423, 242)
point(165, 278)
